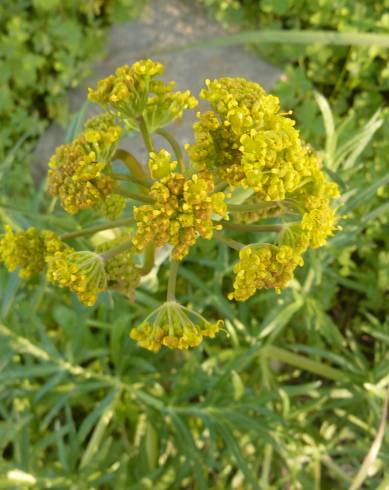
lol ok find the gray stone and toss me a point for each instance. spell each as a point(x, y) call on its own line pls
point(164, 24)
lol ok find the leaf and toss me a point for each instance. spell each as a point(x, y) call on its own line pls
point(237, 385)
point(97, 413)
point(188, 447)
point(371, 456)
point(277, 319)
point(302, 362)
point(106, 412)
point(236, 453)
point(76, 123)
point(363, 196)
point(329, 127)
point(151, 444)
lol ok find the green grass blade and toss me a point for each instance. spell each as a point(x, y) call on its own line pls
point(99, 431)
point(371, 456)
point(366, 194)
point(329, 126)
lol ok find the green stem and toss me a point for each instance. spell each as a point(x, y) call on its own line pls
point(133, 195)
point(288, 204)
point(220, 186)
point(122, 247)
point(303, 362)
point(176, 147)
point(133, 165)
point(336, 469)
point(145, 134)
point(171, 288)
point(250, 227)
point(228, 241)
point(149, 257)
point(242, 208)
point(125, 177)
point(266, 466)
point(94, 229)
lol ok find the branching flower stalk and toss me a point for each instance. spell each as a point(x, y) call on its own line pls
point(243, 142)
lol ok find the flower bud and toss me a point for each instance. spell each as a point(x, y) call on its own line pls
point(174, 326)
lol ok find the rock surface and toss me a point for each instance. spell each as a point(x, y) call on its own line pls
point(164, 25)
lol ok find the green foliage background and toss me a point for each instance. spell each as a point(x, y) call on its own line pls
point(46, 47)
point(293, 394)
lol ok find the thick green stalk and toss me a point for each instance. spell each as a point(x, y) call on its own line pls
point(145, 134)
point(303, 362)
point(239, 208)
point(94, 229)
point(129, 178)
point(176, 147)
point(149, 257)
point(122, 247)
point(133, 165)
point(228, 241)
point(250, 227)
point(171, 288)
point(221, 186)
point(133, 195)
point(287, 204)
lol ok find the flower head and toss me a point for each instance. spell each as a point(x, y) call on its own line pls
point(316, 225)
point(263, 266)
point(182, 211)
point(112, 206)
point(78, 170)
point(174, 326)
point(133, 92)
point(246, 140)
point(24, 249)
point(81, 272)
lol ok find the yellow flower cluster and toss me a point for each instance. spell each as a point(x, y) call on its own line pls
point(247, 141)
point(263, 266)
point(318, 223)
point(182, 211)
point(86, 273)
point(318, 218)
point(132, 92)
point(24, 249)
point(243, 140)
point(76, 171)
point(272, 266)
point(80, 272)
point(112, 206)
point(121, 272)
point(174, 326)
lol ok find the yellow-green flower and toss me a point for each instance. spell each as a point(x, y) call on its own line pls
point(79, 171)
point(112, 206)
point(263, 266)
point(161, 164)
point(132, 92)
point(24, 249)
point(247, 141)
point(182, 211)
point(121, 271)
point(80, 272)
point(317, 224)
point(174, 326)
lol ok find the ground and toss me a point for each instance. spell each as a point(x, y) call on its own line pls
point(164, 24)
